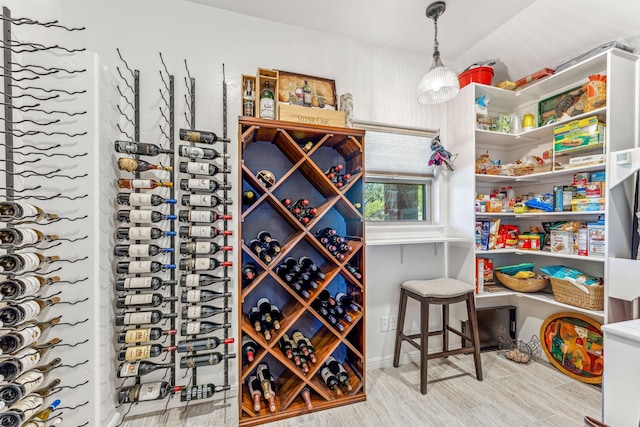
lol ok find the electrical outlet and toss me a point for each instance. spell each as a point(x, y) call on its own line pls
point(384, 324)
point(393, 323)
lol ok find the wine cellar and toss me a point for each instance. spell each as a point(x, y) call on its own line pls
point(302, 255)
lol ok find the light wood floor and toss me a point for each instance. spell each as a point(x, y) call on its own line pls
point(510, 395)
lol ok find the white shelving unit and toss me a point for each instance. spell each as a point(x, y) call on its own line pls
point(622, 161)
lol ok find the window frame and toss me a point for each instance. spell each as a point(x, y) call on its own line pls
point(425, 181)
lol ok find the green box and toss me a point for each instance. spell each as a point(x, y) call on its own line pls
point(578, 133)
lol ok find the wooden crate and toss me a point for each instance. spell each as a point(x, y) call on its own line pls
point(266, 75)
point(312, 116)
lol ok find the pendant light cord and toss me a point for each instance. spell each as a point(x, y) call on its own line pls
point(436, 52)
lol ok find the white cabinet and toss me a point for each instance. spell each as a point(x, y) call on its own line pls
point(463, 137)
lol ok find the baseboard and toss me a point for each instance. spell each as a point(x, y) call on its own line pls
point(387, 361)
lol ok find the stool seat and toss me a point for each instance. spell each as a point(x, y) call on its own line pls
point(438, 288)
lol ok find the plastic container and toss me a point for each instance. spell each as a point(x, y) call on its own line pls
point(482, 75)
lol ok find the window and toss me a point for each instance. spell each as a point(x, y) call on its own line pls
point(398, 177)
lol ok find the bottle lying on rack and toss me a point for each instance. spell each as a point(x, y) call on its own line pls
point(143, 317)
point(340, 373)
point(249, 349)
point(341, 180)
point(142, 283)
point(202, 311)
point(249, 197)
point(198, 264)
point(25, 384)
point(137, 267)
point(249, 273)
point(146, 391)
point(143, 300)
point(140, 352)
point(306, 397)
point(140, 148)
point(198, 168)
point(197, 248)
point(353, 270)
point(328, 314)
point(143, 250)
point(142, 184)
point(201, 136)
point(202, 295)
point(201, 153)
point(203, 344)
point(202, 185)
point(140, 368)
point(143, 335)
point(346, 302)
point(330, 379)
point(201, 391)
point(25, 410)
point(201, 328)
point(202, 216)
point(143, 216)
point(24, 262)
point(143, 199)
point(304, 346)
point(333, 171)
point(307, 265)
point(26, 311)
point(255, 391)
point(142, 233)
point(197, 280)
point(129, 164)
point(23, 361)
point(25, 286)
point(17, 339)
point(12, 237)
point(19, 212)
point(204, 200)
point(204, 359)
point(267, 385)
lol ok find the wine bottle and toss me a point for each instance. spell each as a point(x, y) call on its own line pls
point(272, 400)
point(21, 411)
point(306, 397)
point(23, 361)
point(143, 199)
point(143, 300)
point(15, 314)
point(285, 346)
point(204, 231)
point(204, 359)
point(273, 248)
point(139, 368)
point(23, 212)
point(249, 349)
point(192, 248)
point(333, 170)
point(299, 341)
point(306, 94)
point(201, 391)
point(201, 136)
point(202, 185)
point(345, 301)
point(256, 246)
point(202, 311)
point(196, 264)
point(143, 335)
point(253, 385)
point(146, 391)
point(189, 346)
point(24, 262)
point(249, 273)
point(255, 317)
point(292, 264)
point(201, 153)
point(45, 413)
point(202, 295)
point(276, 316)
point(142, 216)
point(330, 379)
point(198, 280)
point(16, 340)
point(202, 216)
point(265, 308)
point(351, 269)
point(12, 237)
point(265, 257)
point(197, 168)
point(142, 184)
point(128, 164)
point(143, 317)
point(267, 104)
point(249, 197)
point(264, 375)
point(338, 370)
point(140, 352)
point(264, 236)
point(142, 283)
point(143, 250)
point(18, 288)
point(201, 328)
point(10, 393)
point(312, 350)
point(326, 298)
point(204, 200)
point(248, 101)
point(136, 267)
point(140, 148)
point(141, 233)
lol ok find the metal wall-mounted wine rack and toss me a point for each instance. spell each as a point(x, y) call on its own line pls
point(39, 134)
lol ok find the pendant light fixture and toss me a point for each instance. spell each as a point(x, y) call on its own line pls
point(439, 84)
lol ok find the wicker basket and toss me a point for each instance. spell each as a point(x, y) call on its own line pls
point(521, 285)
point(567, 293)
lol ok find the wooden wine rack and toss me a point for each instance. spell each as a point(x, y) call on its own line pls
point(277, 146)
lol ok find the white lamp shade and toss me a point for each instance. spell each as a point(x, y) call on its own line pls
point(438, 85)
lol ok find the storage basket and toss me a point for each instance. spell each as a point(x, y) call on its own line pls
point(521, 285)
point(567, 293)
point(482, 75)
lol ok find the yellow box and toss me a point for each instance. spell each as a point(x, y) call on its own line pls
point(578, 133)
point(310, 115)
point(588, 204)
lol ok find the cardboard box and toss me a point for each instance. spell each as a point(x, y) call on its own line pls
point(596, 238)
point(561, 242)
point(578, 133)
point(535, 76)
point(562, 195)
point(310, 115)
point(484, 273)
point(483, 231)
point(583, 243)
point(590, 204)
point(598, 176)
point(594, 189)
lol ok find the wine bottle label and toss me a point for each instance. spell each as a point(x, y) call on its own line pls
point(137, 335)
point(28, 211)
point(266, 108)
point(140, 216)
point(194, 311)
point(29, 236)
point(138, 251)
point(193, 328)
point(28, 405)
point(140, 199)
point(28, 358)
point(326, 374)
point(129, 369)
point(140, 299)
point(138, 282)
point(202, 247)
point(141, 183)
point(202, 264)
point(192, 280)
point(138, 352)
point(137, 318)
point(199, 216)
point(193, 152)
point(196, 168)
point(200, 200)
point(126, 147)
point(31, 286)
point(31, 310)
point(140, 267)
point(140, 233)
point(29, 335)
point(199, 231)
point(198, 184)
point(150, 391)
point(193, 295)
point(30, 381)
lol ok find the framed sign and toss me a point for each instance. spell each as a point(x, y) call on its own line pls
point(319, 92)
point(574, 344)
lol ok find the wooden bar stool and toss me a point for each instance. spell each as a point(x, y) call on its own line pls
point(442, 292)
